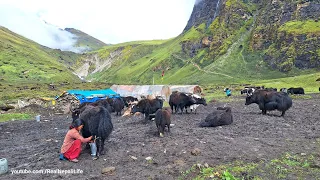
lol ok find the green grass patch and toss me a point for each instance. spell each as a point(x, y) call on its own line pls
point(288, 165)
point(301, 27)
point(15, 116)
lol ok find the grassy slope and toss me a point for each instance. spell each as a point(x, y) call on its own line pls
point(85, 40)
point(23, 60)
point(233, 62)
point(237, 66)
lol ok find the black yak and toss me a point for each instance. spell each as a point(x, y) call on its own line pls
point(198, 100)
point(101, 102)
point(118, 105)
point(97, 123)
point(147, 107)
point(128, 100)
point(270, 100)
point(180, 100)
point(298, 90)
point(219, 117)
point(162, 119)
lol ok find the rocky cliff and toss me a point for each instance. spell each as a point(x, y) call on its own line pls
point(204, 11)
point(285, 32)
point(289, 33)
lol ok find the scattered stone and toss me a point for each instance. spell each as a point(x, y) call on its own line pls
point(134, 158)
point(256, 139)
point(171, 125)
point(315, 164)
point(206, 165)
point(148, 158)
point(195, 152)
point(165, 151)
point(48, 140)
point(303, 154)
point(179, 162)
point(108, 170)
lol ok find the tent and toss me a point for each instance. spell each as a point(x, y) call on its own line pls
point(142, 90)
point(157, 90)
point(92, 95)
point(195, 89)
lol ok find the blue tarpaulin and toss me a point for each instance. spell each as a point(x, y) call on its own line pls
point(93, 95)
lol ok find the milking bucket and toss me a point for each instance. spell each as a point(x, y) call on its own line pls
point(38, 118)
point(3, 166)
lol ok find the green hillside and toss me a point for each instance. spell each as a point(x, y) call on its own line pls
point(231, 50)
point(23, 60)
point(86, 41)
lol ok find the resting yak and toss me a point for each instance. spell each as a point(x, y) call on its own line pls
point(147, 106)
point(219, 117)
point(270, 100)
point(97, 123)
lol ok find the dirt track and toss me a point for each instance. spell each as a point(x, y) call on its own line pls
point(32, 145)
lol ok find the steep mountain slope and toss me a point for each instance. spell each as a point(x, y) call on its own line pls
point(85, 41)
point(22, 60)
point(227, 41)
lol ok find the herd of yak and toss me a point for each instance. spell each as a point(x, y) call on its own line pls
point(97, 119)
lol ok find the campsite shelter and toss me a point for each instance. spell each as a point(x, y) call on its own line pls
point(92, 95)
point(142, 90)
point(195, 89)
point(157, 90)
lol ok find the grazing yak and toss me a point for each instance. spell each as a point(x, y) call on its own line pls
point(180, 100)
point(97, 123)
point(270, 100)
point(162, 119)
point(102, 102)
point(219, 117)
point(298, 90)
point(147, 106)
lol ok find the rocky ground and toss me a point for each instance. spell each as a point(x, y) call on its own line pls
point(252, 137)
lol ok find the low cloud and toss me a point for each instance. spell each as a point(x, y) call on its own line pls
point(31, 26)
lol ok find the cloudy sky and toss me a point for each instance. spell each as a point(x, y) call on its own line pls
point(112, 21)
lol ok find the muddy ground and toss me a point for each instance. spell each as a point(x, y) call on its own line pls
point(252, 137)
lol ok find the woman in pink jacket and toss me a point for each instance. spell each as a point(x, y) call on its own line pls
point(71, 146)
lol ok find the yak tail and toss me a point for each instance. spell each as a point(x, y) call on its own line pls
point(105, 124)
point(158, 116)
